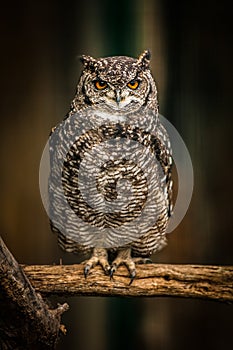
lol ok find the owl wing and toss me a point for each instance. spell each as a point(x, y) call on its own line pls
point(162, 149)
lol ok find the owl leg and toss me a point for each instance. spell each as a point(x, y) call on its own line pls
point(124, 258)
point(99, 257)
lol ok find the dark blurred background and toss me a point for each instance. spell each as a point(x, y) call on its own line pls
point(192, 63)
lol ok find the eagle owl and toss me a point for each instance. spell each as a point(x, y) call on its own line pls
point(116, 194)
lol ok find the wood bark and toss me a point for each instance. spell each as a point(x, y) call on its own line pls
point(188, 281)
point(26, 321)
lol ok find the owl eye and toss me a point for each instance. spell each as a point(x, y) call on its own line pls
point(100, 84)
point(133, 84)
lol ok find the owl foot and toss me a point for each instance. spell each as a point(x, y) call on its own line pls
point(124, 258)
point(99, 257)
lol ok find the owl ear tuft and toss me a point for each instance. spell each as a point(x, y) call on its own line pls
point(144, 59)
point(88, 62)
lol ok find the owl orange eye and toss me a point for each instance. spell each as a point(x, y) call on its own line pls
point(133, 84)
point(100, 84)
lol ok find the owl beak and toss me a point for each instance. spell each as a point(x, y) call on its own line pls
point(118, 96)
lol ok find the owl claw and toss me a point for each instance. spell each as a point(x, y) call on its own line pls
point(124, 258)
point(148, 261)
point(140, 261)
point(86, 270)
point(130, 266)
point(112, 271)
point(132, 276)
point(99, 257)
point(107, 270)
point(88, 267)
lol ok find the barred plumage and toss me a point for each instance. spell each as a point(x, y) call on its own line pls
point(115, 111)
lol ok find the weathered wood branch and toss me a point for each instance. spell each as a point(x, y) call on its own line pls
point(26, 321)
point(189, 281)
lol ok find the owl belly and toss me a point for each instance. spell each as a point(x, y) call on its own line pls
point(113, 192)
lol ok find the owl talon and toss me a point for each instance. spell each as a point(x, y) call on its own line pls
point(129, 265)
point(132, 276)
point(107, 270)
point(111, 272)
point(140, 261)
point(99, 257)
point(86, 270)
point(124, 258)
point(148, 261)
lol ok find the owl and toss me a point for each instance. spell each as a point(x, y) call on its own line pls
point(111, 195)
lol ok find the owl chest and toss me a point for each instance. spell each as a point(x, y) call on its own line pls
point(112, 169)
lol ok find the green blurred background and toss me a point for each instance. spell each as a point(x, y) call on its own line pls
point(192, 63)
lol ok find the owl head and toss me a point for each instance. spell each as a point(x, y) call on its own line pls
point(118, 84)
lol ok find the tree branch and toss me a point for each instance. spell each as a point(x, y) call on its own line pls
point(189, 281)
point(26, 321)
